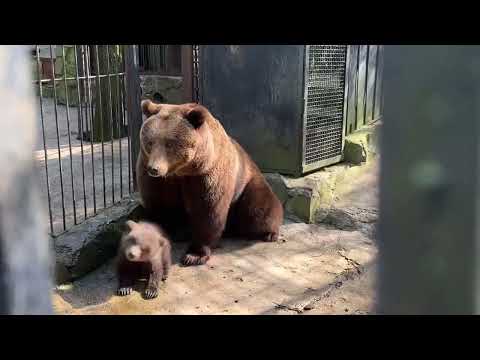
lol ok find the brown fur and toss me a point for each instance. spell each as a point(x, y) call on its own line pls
point(218, 181)
point(144, 252)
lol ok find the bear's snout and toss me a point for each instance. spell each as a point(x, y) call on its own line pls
point(157, 169)
point(133, 253)
point(152, 171)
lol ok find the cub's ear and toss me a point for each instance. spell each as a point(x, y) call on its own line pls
point(149, 108)
point(130, 224)
point(196, 116)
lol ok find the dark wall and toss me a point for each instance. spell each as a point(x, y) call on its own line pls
point(256, 91)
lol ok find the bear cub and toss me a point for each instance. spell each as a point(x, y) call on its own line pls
point(144, 253)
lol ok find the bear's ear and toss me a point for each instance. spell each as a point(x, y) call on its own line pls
point(130, 224)
point(196, 116)
point(149, 108)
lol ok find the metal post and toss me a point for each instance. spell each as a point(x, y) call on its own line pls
point(25, 283)
point(187, 72)
point(430, 166)
point(134, 112)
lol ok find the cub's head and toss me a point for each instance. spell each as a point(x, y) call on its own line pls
point(172, 137)
point(142, 241)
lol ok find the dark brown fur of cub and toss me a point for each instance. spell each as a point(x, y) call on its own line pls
point(144, 252)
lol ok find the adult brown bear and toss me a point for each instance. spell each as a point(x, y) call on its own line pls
point(189, 166)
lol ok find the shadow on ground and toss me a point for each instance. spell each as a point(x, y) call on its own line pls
point(241, 278)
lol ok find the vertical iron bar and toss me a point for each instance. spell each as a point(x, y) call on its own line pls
point(86, 68)
point(375, 83)
point(365, 98)
point(69, 136)
point(129, 134)
point(43, 137)
point(119, 120)
point(80, 117)
point(58, 138)
point(133, 106)
point(99, 109)
point(356, 85)
point(111, 118)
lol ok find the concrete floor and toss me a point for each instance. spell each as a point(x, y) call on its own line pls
point(312, 269)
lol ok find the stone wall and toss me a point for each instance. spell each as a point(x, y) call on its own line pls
point(162, 89)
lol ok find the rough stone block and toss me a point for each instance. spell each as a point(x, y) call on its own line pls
point(362, 145)
point(88, 245)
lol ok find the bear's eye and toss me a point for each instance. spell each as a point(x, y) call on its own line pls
point(148, 145)
point(168, 145)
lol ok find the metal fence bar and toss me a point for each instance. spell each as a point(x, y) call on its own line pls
point(120, 128)
point(60, 169)
point(80, 118)
point(429, 187)
point(99, 108)
point(61, 78)
point(377, 56)
point(69, 139)
point(111, 119)
point(129, 145)
point(47, 178)
point(25, 283)
point(133, 105)
point(86, 68)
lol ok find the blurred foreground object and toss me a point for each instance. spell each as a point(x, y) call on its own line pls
point(24, 249)
point(429, 207)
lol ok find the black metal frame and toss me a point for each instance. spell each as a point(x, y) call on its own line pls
point(127, 91)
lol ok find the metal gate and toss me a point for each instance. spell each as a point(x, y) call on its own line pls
point(84, 154)
point(324, 92)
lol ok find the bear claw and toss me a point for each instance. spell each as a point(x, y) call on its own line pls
point(191, 259)
point(124, 291)
point(271, 237)
point(150, 293)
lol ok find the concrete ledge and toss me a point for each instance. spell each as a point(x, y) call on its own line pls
point(362, 145)
point(310, 198)
point(88, 245)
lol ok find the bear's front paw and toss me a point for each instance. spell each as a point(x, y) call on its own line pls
point(124, 291)
point(196, 255)
point(270, 237)
point(150, 293)
point(194, 259)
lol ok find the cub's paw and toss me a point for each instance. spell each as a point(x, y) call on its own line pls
point(194, 259)
point(150, 293)
point(124, 291)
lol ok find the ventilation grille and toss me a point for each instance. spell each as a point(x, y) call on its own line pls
point(325, 100)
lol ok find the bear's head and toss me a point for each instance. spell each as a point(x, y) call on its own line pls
point(173, 138)
point(142, 241)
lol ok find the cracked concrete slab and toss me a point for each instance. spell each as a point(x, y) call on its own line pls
point(242, 277)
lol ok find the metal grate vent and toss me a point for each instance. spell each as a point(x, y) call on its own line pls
point(325, 86)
